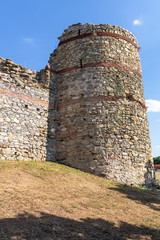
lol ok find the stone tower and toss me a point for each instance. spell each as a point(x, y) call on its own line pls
point(102, 124)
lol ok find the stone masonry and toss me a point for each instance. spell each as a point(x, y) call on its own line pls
point(25, 113)
point(86, 109)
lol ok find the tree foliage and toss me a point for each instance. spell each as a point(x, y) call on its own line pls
point(156, 160)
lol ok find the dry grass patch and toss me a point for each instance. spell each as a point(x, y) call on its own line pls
point(43, 200)
point(158, 176)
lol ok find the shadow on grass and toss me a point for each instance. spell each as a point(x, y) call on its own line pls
point(49, 227)
point(148, 197)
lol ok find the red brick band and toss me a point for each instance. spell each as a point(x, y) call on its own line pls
point(23, 97)
point(100, 64)
point(99, 34)
point(68, 103)
point(98, 98)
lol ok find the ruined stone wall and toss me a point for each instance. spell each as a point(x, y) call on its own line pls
point(86, 109)
point(102, 122)
point(26, 116)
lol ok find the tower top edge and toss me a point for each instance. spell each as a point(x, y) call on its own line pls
point(73, 29)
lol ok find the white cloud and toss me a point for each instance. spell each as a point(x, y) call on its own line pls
point(28, 40)
point(153, 105)
point(137, 22)
point(158, 146)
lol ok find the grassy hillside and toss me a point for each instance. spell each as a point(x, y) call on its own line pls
point(42, 200)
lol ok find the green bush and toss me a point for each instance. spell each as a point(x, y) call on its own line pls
point(156, 160)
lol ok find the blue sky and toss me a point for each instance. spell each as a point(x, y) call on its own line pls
point(29, 31)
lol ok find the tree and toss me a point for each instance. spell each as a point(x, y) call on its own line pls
point(156, 160)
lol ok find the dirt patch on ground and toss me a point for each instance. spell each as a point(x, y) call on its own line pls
point(42, 200)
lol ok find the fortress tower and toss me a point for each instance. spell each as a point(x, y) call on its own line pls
point(86, 109)
point(102, 124)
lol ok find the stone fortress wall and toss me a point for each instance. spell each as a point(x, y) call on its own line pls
point(25, 113)
point(102, 121)
point(86, 109)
